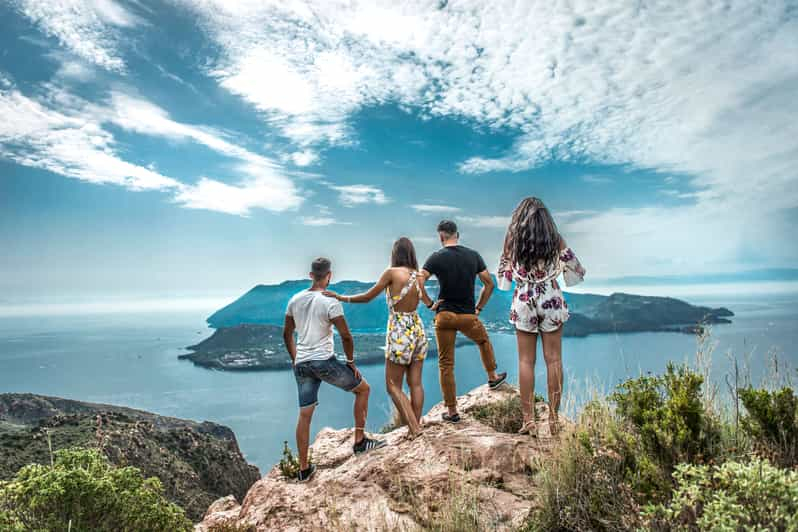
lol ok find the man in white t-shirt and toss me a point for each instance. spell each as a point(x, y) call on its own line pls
point(312, 316)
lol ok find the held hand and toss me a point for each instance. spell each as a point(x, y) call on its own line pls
point(330, 293)
point(435, 305)
point(477, 311)
point(355, 370)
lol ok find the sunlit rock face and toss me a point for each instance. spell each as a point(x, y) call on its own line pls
point(405, 484)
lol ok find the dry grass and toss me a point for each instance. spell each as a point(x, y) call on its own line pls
point(503, 416)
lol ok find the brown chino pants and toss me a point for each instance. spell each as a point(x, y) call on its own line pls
point(447, 324)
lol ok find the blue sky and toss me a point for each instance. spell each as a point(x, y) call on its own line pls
point(204, 146)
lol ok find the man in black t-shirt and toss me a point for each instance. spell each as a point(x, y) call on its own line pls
point(456, 268)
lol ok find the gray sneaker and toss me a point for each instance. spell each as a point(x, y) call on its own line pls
point(367, 444)
point(306, 474)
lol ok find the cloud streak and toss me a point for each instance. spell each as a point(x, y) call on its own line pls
point(426, 208)
point(66, 135)
point(353, 195)
point(684, 88)
point(89, 28)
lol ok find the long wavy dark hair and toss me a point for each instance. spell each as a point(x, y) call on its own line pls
point(404, 254)
point(532, 235)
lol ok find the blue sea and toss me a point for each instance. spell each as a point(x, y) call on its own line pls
point(127, 355)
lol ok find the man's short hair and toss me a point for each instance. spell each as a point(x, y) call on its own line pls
point(448, 228)
point(320, 267)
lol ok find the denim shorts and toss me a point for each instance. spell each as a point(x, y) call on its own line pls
point(309, 376)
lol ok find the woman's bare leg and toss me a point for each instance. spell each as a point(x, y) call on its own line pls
point(526, 372)
point(394, 374)
point(552, 354)
point(416, 387)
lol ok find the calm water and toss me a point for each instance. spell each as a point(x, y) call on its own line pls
point(131, 359)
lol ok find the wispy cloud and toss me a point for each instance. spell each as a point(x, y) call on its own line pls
point(65, 135)
point(304, 157)
point(491, 222)
point(321, 221)
point(604, 83)
point(426, 208)
point(89, 29)
point(352, 195)
point(36, 135)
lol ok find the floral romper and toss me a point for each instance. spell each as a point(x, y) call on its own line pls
point(538, 303)
point(405, 339)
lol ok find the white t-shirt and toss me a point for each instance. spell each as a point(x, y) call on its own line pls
point(313, 314)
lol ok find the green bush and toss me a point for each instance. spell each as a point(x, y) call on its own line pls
point(772, 423)
point(82, 491)
point(733, 496)
point(289, 464)
point(668, 413)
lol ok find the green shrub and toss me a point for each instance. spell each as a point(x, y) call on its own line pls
point(772, 423)
point(600, 430)
point(289, 464)
point(668, 413)
point(733, 496)
point(82, 491)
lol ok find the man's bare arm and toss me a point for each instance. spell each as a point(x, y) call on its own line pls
point(487, 289)
point(346, 337)
point(349, 343)
point(288, 337)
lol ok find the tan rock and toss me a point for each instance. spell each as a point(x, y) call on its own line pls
point(467, 470)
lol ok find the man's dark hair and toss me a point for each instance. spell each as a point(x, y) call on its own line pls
point(320, 267)
point(448, 228)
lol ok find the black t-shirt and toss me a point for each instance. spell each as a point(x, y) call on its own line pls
point(456, 268)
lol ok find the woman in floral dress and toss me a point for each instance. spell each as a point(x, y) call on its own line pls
point(533, 257)
point(405, 339)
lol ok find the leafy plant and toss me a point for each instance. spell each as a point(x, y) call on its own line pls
point(733, 496)
point(772, 423)
point(82, 491)
point(289, 464)
point(670, 416)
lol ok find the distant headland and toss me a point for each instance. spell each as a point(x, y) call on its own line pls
point(248, 330)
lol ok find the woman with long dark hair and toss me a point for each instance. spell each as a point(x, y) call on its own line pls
point(534, 255)
point(405, 339)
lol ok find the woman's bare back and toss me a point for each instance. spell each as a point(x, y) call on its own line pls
point(400, 276)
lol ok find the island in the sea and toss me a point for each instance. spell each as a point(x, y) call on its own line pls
point(248, 332)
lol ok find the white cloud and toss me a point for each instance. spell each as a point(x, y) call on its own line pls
point(681, 87)
point(5, 81)
point(88, 28)
point(320, 221)
point(238, 199)
point(351, 195)
point(426, 208)
point(65, 135)
point(491, 222)
point(304, 157)
point(32, 134)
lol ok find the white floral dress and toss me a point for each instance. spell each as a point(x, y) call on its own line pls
point(538, 303)
point(405, 339)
